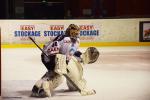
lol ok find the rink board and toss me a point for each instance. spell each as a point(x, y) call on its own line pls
point(93, 32)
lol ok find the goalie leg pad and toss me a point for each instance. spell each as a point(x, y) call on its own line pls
point(60, 66)
point(71, 87)
point(75, 74)
point(45, 86)
point(53, 79)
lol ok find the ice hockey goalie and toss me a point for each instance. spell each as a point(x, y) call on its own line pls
point(65, 60)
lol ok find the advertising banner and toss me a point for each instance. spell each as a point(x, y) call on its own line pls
point(93, 31)
point(15, 32)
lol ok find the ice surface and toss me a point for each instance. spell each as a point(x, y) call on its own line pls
point(121, 73)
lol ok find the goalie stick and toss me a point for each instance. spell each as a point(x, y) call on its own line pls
point(48, 57)
point(38, 46)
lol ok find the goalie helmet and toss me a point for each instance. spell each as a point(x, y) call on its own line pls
point(73, 31)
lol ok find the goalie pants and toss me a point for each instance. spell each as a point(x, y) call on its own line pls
point(50, 65)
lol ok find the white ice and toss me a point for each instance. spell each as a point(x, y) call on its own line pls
point(121, 73)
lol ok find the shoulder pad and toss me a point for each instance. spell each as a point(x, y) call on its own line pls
point(67, 40)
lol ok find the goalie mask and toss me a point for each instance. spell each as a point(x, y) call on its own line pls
point(73, 31)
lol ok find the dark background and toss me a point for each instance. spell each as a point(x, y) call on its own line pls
point(73, 9)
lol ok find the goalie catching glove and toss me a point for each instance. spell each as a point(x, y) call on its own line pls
point(90, 56)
